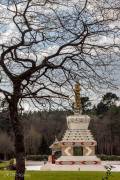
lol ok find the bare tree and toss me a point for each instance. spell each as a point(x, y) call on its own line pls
point(50, 44)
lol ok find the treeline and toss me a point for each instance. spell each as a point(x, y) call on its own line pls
point(106, 130)
point(41, 128)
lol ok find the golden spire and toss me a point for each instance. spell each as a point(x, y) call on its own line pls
point(77, 104)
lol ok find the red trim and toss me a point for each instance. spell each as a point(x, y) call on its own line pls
point(83, 162)
point(82, 143)
point(61, 163)
point(77, 162)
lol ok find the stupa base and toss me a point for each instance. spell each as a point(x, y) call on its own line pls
point(78, 160)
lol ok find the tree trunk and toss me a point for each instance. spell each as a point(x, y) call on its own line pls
point(19, 139)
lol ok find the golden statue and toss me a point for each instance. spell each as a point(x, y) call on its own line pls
point(77, 104)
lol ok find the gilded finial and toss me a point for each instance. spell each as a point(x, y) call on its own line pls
point(77, 104)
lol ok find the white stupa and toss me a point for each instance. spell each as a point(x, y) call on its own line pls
point(77, 145)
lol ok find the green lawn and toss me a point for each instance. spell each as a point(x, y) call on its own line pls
point(9, 175)
point(4, 164)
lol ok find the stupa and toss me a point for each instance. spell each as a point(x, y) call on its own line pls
point(78, 144)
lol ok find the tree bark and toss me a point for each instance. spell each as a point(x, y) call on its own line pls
point(19, 139)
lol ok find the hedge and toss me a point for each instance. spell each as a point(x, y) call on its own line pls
point(104, 157)
point(37, 157)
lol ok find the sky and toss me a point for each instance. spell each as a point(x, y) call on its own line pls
point(8, 30)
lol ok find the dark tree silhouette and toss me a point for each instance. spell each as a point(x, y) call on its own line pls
point(107, 101)
point(86, 104)
point(44, 148)
point(110, 99)
point(50, 45)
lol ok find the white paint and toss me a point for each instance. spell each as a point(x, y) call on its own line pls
point(89, 151)
point(78, 121)
point(33, 168)
point(67, 151)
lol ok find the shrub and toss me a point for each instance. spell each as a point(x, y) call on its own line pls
point(104, 157)
point(37, 157)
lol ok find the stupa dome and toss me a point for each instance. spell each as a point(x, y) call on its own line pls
point(78, 121)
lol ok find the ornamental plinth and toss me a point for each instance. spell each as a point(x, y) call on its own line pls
point(77, 145)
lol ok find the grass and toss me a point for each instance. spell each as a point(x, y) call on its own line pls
point(9, 175)
point(4, 164)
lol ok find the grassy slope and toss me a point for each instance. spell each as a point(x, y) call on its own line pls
point(8, 175)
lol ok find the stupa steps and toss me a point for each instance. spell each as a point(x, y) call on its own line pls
point(78, 160)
